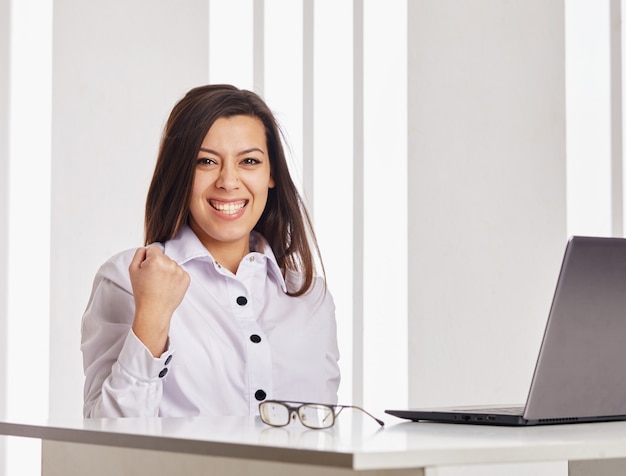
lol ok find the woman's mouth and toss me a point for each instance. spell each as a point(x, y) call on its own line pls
point(228, 208)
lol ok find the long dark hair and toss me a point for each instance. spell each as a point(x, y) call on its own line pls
point(285, 222)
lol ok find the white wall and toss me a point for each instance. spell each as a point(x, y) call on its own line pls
point(486, 194)
point(588, 68)
point(25, 355)
point(385, 347)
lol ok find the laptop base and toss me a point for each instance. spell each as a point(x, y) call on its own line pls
point(492, 419)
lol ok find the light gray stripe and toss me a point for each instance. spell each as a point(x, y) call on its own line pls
point(307, 105)
point(617, 187)
point(258, 46)
point(357, 206)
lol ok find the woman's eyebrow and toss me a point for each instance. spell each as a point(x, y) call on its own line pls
point(251, 149)
point(243, 152)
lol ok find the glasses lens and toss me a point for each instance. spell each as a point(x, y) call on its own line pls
point(316, 416)
point(273, 413)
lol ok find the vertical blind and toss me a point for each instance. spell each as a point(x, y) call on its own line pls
point(334, 73)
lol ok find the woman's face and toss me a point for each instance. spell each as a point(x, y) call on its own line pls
point(231, 182)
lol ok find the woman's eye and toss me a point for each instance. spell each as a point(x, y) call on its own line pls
point(205, 161)
point(251, 161)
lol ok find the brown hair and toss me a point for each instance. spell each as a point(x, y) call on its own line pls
point(285, 222)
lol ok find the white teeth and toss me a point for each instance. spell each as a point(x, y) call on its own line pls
point(228, 208)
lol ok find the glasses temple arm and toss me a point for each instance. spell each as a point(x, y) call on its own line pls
point(341, 407)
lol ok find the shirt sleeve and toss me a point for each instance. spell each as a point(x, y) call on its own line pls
point(122, 378)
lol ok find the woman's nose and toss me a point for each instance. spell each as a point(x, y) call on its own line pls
point(228, 179)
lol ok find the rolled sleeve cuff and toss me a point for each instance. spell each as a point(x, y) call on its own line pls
point(136, 360)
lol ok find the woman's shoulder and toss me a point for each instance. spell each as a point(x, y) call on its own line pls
point(121, 258)
point(115, 268)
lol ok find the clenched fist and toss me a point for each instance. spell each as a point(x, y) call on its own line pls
point(159, 285)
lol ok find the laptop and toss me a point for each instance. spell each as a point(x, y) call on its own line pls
point(580, 374)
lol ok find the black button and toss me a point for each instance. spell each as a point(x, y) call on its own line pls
point(260, 395)
point(168, 360)
point(242, 301)
point(255, 338)
point(163, 373)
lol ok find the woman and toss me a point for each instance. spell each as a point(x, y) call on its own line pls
point(223, 310)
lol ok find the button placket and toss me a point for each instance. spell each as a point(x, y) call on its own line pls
point(258, 354)
point(239, 297)
point(259, 362)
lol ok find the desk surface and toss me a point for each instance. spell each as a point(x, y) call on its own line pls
point(353, 443)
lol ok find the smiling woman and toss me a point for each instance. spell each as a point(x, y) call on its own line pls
point(223, 309)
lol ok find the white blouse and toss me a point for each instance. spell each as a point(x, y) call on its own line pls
point(234, 341)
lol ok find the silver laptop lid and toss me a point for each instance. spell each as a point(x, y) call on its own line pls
point(581, 369)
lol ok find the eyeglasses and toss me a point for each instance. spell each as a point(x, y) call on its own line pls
point(312, 415)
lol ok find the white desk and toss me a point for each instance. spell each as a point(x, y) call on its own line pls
point(203, 446)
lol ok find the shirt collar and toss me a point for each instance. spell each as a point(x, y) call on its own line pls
point(186, 246)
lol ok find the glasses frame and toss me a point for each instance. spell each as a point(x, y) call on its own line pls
point(293, 409)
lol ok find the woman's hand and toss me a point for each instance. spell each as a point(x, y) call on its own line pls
point(159, 285)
